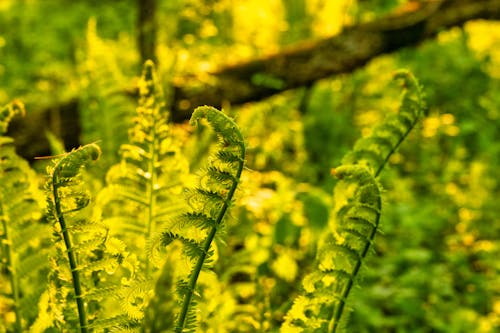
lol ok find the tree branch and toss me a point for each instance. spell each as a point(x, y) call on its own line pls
point(309, 62)
point(294, 67)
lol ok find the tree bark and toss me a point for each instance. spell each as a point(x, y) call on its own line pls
point(146, 29)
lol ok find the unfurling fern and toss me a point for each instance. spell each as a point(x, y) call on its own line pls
point(209, 203)
point(375, 150)
point(79, 281)
point(23, 238)
point(9, 111)
point(354, 222)
point(143, 191)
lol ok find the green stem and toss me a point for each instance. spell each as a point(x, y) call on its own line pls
point(401, 139)
point(339, 309)
point(71, 256)
point(186, 303)
point(151, 195)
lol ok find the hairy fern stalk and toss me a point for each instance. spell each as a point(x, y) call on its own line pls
point(209, 203)
point(355, 220)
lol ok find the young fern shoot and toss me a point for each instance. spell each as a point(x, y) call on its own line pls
point(209, 203)
point(84, 250)
point(375, 150)
point(63, 175)
point(9, 111)
point(355, 220)
point(143, 190)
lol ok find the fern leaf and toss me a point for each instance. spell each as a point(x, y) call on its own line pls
point(8, 112)
point(23, 238)
point(209, 203)
point(142, 191)
point(374, 151)
point(355, 220)
point(340, 256)
point(84, 251)
point(105, 111)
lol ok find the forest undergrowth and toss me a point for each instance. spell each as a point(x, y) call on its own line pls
point(148, 250)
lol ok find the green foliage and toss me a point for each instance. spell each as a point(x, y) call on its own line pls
point(105, 109)
point(23, 252)
point(209, 203)
point(142, 191)
point(375, 150)
point(8, 112)
point(356, 217)
point(436, 267)
point(340, 254)
point(84, 252)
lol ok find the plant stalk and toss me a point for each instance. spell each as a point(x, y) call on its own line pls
point(206, 247)
point(71, 257)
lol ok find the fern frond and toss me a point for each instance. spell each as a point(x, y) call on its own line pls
point(355, 220)
point(64, 174)
point(7, 112)
point(375, 150)
point(340, 255)
point(142, 191)
point(23, 238)
point(209, 202)
point(105, 111)
point(85, 252)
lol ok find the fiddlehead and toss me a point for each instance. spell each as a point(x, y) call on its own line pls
point(355, 219)
point(209, 203)
point(375, 150)
point(84, 251)
point(7, 112)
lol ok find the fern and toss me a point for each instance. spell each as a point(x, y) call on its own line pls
point(104, 114)
point(209, 202)
point(375, 150)
point(23, 251)
point(142, 191)
point(355, 222)
point(9, 111)
point(85, 253)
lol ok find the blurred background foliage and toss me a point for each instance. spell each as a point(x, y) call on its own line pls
point(435, 268)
